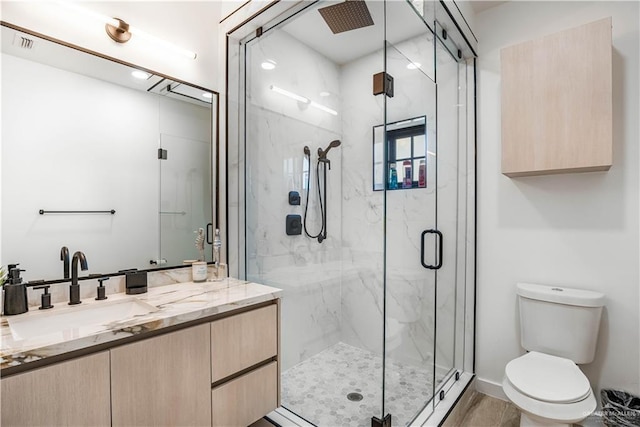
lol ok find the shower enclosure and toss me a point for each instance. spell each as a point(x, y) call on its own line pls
point(377, 312)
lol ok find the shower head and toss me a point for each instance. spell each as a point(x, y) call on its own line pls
point(322, 154)
point(346, 16)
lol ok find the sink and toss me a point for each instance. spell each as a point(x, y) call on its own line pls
point(77, 321)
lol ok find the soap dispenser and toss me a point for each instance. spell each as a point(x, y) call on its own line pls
point(15, 293)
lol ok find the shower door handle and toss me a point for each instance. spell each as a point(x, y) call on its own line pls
point(439, 264)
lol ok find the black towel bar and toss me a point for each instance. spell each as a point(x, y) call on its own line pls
point(42, 212)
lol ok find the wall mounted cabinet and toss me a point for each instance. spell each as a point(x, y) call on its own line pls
point(557, 104)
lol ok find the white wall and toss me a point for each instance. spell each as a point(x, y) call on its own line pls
point(578, 230)
point(191, 25)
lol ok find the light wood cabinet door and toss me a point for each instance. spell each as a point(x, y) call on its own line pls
point(244, 340)
point(163, 381)
point(245, 399)
point(72, 393)
point(557, 105)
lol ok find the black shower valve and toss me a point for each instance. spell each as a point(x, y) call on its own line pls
point(293, 225)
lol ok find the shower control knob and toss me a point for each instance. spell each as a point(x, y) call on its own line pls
point(294, 198)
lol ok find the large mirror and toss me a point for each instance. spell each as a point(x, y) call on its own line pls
point(103, 158)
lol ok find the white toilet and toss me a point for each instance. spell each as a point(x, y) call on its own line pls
point(559, 329)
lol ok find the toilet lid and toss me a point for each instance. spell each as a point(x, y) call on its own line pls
point(548, 378)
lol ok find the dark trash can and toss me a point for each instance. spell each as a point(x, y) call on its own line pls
point(620, 409)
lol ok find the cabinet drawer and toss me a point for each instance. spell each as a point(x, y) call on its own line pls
point(246, 399)
point(241, 341)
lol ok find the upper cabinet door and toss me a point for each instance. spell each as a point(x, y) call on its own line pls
point(557, 103)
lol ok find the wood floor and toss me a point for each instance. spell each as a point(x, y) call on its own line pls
point(484, 411)
point(487, 411)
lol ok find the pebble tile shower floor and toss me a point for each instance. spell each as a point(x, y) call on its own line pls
point(317, 388)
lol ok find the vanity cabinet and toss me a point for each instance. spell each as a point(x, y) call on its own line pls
point(75, 392)
point(557, 106)
point(221, 371)
point(163, 380)
point(244, 370)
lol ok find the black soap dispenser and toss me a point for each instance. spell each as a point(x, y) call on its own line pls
point(15, 293)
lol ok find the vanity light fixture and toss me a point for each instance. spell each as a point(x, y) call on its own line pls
point(158, 42)
point(121, 32)
point(269, 64)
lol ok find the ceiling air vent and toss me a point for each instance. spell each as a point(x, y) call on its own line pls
point(23, 42)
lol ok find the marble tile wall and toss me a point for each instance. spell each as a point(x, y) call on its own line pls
point(334, 290)
point(278, 128)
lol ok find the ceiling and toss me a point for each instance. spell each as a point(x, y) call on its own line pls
point(481, 5)
point(310, 28)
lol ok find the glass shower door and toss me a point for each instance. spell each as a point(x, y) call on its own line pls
point(412, 242)
point(306, 86)
point(369, 312)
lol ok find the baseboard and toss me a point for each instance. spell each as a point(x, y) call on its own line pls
point(490, 388)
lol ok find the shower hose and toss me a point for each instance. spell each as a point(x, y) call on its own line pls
point(323, 230)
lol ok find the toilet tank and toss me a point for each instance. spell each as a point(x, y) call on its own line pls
point(560, 321)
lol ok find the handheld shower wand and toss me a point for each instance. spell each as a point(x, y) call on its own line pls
point(322, 154)
point(322, 158)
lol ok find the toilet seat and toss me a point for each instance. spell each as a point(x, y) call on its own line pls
point(571, 403)
point(548, 378)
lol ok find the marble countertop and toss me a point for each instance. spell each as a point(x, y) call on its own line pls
point(170, 304)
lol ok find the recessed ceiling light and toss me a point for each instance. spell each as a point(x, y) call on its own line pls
point(269, 64)
point(140, 75)
point(414, 65)
point(325, 93)
point(207, 95)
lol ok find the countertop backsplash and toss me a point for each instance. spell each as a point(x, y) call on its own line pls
point(88, 288)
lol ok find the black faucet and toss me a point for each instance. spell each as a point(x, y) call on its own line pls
point(74, 288)
point(64, 257)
